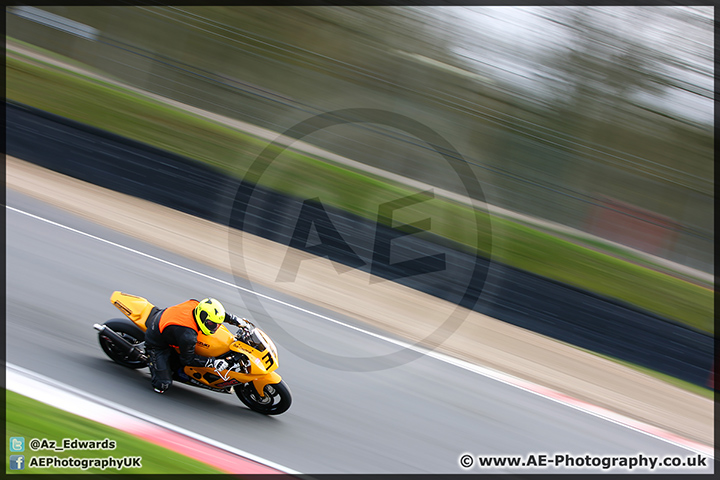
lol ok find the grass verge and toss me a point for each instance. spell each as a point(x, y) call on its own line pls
point(126, 113)
point(31, 419)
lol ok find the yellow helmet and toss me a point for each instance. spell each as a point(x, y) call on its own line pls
point(209, 315)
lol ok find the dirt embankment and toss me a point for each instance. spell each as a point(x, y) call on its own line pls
point(480, 339)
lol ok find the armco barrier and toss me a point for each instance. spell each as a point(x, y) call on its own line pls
point(550, 308)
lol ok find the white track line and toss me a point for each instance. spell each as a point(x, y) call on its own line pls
point(502, 377)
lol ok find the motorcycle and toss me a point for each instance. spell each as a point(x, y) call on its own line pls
point(252, 357)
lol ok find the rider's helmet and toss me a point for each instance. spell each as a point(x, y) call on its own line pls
point(209, 315)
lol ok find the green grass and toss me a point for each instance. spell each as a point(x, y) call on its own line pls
point(10, 42)
point(31, 419)
point(129, 114)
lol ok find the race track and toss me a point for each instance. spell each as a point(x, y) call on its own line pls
point(419, 417)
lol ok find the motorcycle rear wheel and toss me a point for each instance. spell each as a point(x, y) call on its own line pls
point(129, 332)
point(277, 398)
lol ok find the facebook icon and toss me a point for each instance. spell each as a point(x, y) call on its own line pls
point(17, 462)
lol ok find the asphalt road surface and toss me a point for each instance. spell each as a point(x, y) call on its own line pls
point(419, 417)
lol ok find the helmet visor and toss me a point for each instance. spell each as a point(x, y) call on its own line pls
point(210, 325)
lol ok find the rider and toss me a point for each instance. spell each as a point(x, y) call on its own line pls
point(180, 326)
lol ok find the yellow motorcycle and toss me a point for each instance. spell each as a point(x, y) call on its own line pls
point(250, 373)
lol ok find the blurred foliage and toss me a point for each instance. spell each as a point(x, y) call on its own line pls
point(596, 101)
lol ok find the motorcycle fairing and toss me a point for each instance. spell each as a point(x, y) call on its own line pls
point(202, 374)
point(135, 308)
point(214, 345)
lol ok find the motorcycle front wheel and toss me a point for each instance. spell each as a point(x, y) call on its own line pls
point(277, 398)
point(129, 332)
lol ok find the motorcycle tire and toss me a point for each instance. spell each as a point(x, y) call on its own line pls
point(277, 398)
point(129, 332)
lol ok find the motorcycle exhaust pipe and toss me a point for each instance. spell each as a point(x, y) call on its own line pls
point(128, 348)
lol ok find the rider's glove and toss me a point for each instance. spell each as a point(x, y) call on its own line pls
point(218, 364)
point(238, 322)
